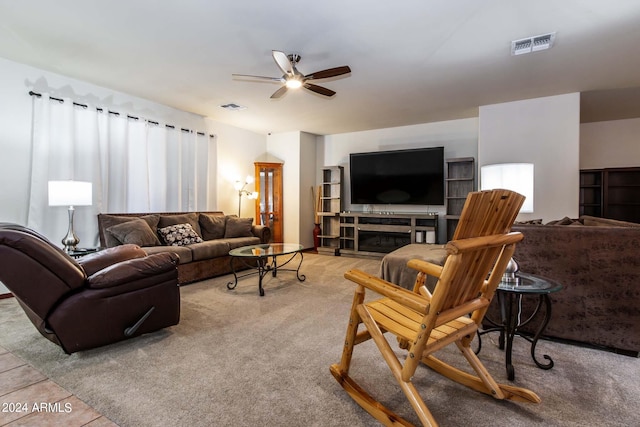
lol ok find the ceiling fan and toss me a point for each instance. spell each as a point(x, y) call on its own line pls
point(294, 79)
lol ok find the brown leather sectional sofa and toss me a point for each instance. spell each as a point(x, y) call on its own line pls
point(598, 263)
point(219, 233)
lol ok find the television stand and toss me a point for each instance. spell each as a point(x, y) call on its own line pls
point(376, 234)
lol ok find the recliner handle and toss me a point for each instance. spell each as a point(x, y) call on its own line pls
point(132, 329)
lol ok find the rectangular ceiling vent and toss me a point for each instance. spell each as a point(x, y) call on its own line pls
point(233, 107)
point(532, 44)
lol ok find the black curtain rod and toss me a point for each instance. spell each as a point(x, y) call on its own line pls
point(32, 93)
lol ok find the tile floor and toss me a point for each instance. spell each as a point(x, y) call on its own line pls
point(28, 398)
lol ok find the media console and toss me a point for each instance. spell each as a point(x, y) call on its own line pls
point(376, 234)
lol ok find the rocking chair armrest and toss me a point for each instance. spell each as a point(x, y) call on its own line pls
point(425, 267)
point(389, 290)
point(462, 245)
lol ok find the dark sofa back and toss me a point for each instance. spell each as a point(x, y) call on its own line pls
point(599, 268)
point(106, 220)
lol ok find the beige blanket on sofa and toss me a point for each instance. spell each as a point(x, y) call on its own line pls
point(394, 264)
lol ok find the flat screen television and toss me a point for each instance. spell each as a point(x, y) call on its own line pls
point(399, 177)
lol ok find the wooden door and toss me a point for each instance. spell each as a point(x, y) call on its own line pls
point(268, 177)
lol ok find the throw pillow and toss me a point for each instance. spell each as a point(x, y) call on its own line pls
point(107, 221)
point(186, 218)
point(179, 235)
point(530, 221)
point(136, 232)
point(238, 227)
point(564, 221)
point(212, 226)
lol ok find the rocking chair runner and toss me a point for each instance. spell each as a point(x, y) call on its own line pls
point(425, 323)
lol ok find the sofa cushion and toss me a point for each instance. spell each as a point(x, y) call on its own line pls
point(179, 235)
point(530, 221)
point(238, 227)
point(606, 222)
point(209, 249)
point(183, 252)
point(212, 226)
point(135, 232)
point(237, 242)
point(111, 220)
point(186, 218)
point(565, 221)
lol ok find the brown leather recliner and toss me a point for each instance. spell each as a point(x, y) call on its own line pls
point(109, 296)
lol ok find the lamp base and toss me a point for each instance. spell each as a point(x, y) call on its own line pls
point(511, 279)
point(510, 274)
point(70, 241)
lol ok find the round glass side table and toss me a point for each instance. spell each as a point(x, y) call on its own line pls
point(509, 295)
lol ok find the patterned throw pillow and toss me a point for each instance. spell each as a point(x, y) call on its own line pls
point(179, 235)
point(190, 218)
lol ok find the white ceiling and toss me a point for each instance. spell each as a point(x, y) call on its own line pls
point(412, 61)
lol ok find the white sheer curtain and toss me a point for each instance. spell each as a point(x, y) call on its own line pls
point(134, 165)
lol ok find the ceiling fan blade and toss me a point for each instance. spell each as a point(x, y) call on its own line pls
point(282, 60)
point(331, 72)
point(261, 78)
point(319, 89)
point(279, 92)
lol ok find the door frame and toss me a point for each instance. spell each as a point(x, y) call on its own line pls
point(277, 231)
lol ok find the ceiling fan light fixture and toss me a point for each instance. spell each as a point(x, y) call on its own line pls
point(294, 84)
point(294, 79)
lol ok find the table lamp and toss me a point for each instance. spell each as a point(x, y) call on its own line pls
point(516, 177)
point(70, 193)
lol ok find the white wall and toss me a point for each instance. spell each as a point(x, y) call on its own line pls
point(286, 147)
point(610, 144)
point(458, 137)
point(297, 150)
point(542, 131)
point(237, 150)
point(307, 166)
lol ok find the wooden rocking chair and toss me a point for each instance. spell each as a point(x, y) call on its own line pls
point(425, 323)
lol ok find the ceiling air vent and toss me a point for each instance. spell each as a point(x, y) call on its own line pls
point(532, 44)
point(233, 107)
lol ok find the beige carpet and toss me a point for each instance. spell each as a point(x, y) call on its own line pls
point(237, 359)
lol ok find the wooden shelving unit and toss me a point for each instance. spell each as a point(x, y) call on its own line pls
point(459, 181)
point(376, 234)
point(611, 193)
point(591, 192)
point(331, 200)
point(622, 195)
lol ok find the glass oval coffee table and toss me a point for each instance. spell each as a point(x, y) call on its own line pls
point(509, 297)
point(264, 259)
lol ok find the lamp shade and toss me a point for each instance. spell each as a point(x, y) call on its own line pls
point(516, 177)
point(70, 193)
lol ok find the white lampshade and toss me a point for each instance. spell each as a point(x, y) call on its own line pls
point(70, 193)
point(516, 177)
